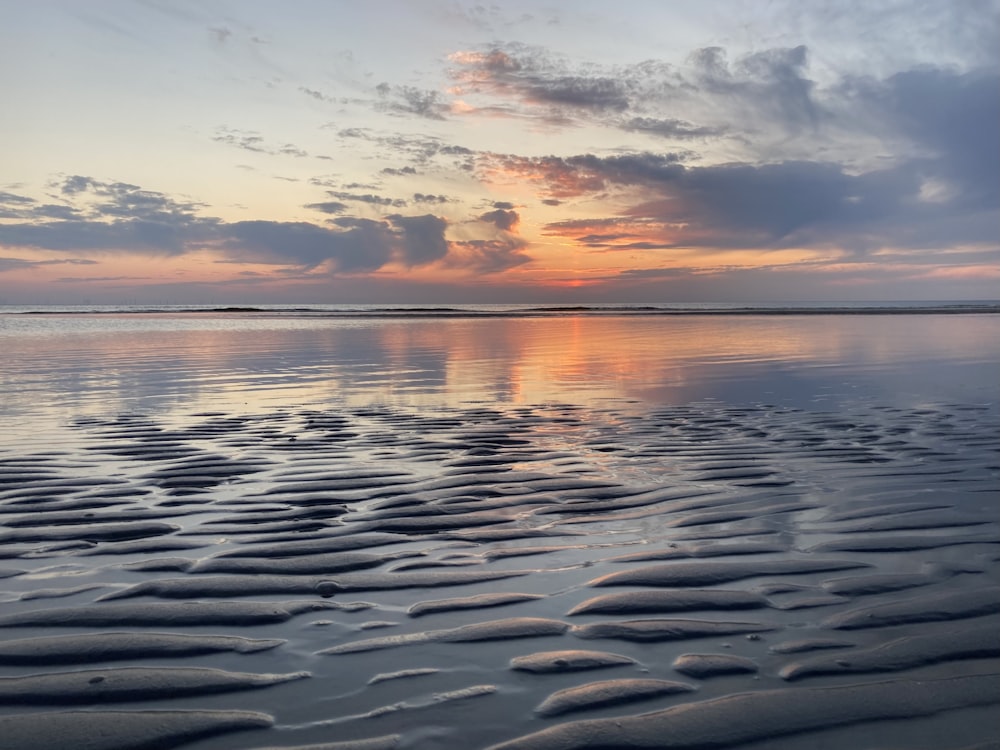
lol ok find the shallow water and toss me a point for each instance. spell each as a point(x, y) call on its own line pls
point(155, 363)
point(838, 474)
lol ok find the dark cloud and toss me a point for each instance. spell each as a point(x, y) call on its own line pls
point(129, 235)
point(78, 184)
point(13, 206)
point(123, 200)
point(772, 83)
point(124, 218)
point(504, 219)
point(572, 176)
point(14, 199)
point(355, 245)
point(370, 198)
point(328, 207)
point(56, 211)
point(670, 128)
point(422, 238)
point(587, 93)
point(365, 247)
point(941, 186)
point(765, 93)
point(108, 216)
point(533, 76)
point(787, 204)
point(425, 198)
point(955, 117)
point(399, 172)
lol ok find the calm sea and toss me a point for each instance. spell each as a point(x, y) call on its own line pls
point(60, 363)
point(444, 447)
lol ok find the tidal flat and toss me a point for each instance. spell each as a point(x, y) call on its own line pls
point(242, 530)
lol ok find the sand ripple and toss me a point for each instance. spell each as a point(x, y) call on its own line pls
point(805, 573)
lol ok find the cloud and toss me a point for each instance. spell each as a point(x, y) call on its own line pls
point(220, 34)
point(328, 207)
point(418, 149)
point(422, 238)
point(506, 220)
point(763, 106)
point(488, 256)
point(789, 204)
point(108, 216)
point(369, 198)
point(940, 188)
point(671, 128)
point(354, 245)
point(409, 100)
point(426, 198)
point(245, 140)
point(130, 235)
point(16, 264)
point(97, 279)
point(574, 176)
point(531, 75)
point(954, 117)
point(95, 198)
point(13, 206)
point(55, 211)
point(771, 85)
point(125, 219)
point(365, 247)
point(14, 199)
point(248, 140)
point(317, 95)
point(495, 254)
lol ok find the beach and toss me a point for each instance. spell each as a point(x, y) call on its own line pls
point(248, 529)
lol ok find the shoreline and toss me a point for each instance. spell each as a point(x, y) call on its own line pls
point(549, 312)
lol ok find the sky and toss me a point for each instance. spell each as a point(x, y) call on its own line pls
point(450, 151)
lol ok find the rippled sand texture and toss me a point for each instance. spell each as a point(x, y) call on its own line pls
point(550, 577)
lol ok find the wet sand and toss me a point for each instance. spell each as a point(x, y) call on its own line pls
point(521, 577)
point(232, 533)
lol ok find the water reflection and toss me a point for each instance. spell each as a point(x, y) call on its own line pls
point(79, 365)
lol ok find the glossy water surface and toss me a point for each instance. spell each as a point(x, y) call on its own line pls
point(72, 365)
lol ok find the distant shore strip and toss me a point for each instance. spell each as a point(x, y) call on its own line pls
point(554, 311)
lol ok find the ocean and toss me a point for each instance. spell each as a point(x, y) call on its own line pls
point(96, 360)
point(500, 526)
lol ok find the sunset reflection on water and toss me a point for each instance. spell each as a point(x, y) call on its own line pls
point(77, 365)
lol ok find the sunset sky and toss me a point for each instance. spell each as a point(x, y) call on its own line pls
point(421, 151)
